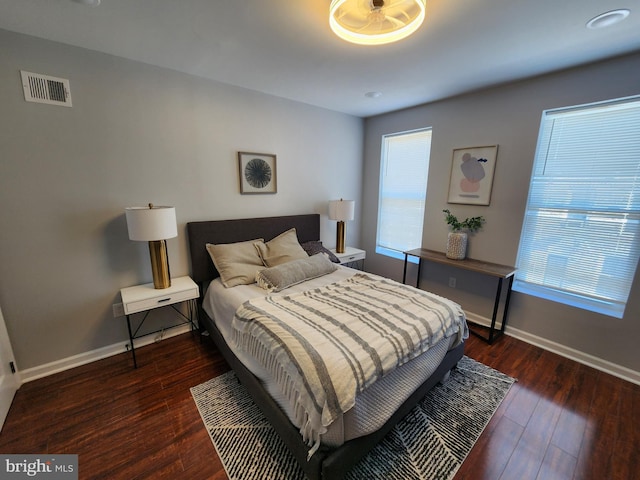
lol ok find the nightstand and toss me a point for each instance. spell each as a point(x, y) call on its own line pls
point(352, 257)
point(145, 298)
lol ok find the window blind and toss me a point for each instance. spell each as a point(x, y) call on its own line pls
point(580, 240)
point(403, 187)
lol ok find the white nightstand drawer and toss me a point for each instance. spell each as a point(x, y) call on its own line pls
point(145, 297)
point(161, 301)
point(352, 258)
point(350, 255)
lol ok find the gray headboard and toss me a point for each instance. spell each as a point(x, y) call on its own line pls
point(231, 231)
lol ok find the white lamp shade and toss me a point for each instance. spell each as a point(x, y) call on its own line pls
point(341, 210)
point(150, 224)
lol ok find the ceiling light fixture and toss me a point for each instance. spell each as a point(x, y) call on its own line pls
point(608, 18)
point(375, 22)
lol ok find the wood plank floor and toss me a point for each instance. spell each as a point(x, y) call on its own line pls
point(561, 420)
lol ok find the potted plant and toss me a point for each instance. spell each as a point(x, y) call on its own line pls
point(457, 238)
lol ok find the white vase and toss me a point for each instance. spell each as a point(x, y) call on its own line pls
point(457, 245)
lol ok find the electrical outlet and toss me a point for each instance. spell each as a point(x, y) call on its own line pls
point(452, 282)
point(160, 336)
point(118, 310)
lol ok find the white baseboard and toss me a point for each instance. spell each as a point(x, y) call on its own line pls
point(619, 371)
point(58, 366)
point(562, 350)
point(480, 320)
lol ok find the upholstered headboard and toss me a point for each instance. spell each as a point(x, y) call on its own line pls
point(231, 231)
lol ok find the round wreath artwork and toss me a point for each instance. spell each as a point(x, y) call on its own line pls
point(257, 172)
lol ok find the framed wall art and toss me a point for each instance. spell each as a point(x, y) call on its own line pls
point(257, 173)
point(472, 175)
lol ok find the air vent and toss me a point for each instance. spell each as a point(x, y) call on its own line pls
point(45, 89)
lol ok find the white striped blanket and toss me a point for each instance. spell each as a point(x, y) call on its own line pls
point(325, 345)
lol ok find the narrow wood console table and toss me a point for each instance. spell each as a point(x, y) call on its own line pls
point(501, 272)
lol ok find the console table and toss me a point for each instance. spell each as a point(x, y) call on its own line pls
point(501, 272)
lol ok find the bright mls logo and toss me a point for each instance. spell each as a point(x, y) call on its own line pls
point(54, 467)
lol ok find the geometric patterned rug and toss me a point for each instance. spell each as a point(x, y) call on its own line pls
point(430, 443)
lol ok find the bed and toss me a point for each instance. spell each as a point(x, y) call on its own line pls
point(347, 445)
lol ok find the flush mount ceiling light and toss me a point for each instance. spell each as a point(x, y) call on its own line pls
point(608, 18)
point(375, 22)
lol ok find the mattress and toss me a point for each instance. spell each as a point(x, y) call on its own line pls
point(374, 406)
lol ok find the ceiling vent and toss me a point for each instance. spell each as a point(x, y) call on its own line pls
point(45, 89)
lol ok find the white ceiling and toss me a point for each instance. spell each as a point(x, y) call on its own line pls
point(286, 48)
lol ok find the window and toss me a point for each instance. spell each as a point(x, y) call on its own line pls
point(404, 168)
point(580, 239)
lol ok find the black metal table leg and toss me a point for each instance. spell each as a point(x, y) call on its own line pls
point(404, 272)
point(495, 311)
point(133, 350)
point(506, 304)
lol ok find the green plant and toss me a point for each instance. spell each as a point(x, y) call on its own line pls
point(472, 224)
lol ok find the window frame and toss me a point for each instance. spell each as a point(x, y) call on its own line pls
point(542, 208)
point(387, 250)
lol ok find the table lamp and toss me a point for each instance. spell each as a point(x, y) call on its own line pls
point(154, 225)
point(341, 210)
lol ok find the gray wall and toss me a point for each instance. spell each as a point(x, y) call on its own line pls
point(136, 134)
point(508, 116)
point(139, 134)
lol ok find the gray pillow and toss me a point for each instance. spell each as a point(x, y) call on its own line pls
point(291, 273)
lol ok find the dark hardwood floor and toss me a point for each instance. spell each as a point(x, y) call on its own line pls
point(561, 420)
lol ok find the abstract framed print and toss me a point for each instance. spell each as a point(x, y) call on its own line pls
point(472, 172)
point(257, 173)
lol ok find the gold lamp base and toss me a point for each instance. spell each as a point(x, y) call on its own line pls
point(159, 264)
point(340, 237)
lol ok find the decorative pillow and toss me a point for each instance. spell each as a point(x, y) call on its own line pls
point(315, 246)
point(288, 274)
point(282, 249)
point(237, 263)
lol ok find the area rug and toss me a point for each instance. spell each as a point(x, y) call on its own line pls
point(430, 443)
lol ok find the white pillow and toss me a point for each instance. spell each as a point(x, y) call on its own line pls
point(282, 249)
point(291, 273)
point(237, 263)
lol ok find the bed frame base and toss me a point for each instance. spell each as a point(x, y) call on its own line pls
point(326, 463)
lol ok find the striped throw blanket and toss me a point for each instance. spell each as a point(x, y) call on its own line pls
point(325, 345)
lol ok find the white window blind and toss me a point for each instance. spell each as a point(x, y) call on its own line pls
point(403, 189)
point(580, 240)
